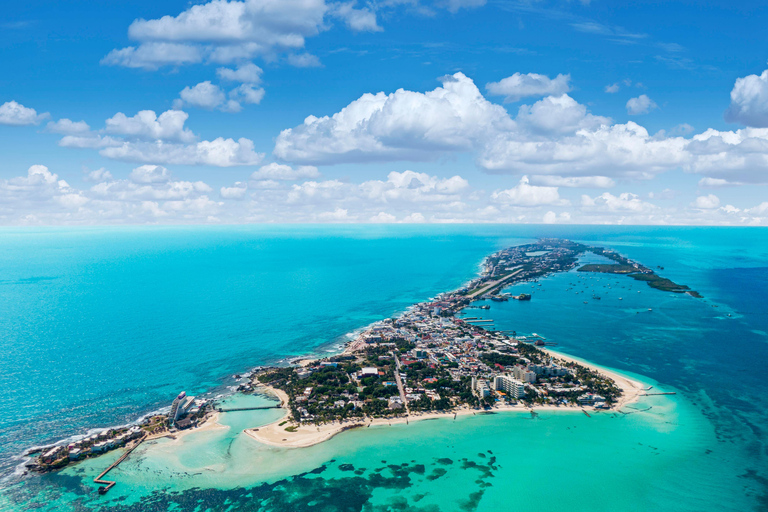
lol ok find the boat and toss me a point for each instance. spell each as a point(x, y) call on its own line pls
point(649, 309)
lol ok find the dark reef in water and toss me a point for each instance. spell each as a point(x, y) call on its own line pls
point(329, 488)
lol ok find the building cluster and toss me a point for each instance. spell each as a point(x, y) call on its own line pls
point(94, 444)
point(185, 412)
point(450, 354)
point(468, 351)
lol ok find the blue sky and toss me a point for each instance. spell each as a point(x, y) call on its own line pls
point(491, 111)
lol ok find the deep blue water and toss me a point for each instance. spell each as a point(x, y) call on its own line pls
point(101, 325)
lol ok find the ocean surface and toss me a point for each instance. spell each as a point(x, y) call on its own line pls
point(99, 326)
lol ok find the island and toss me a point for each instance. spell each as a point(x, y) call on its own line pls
point(636, 271)
point(431, 361)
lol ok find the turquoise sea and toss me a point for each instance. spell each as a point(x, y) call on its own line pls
point(99, 326)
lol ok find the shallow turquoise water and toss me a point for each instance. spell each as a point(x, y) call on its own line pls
point(184, 308)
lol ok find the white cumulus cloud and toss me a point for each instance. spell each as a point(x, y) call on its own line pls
point(219, 152)
point(147, 125)
point(397, 126)
point(275, 171)
point(221, 31)
point(357, 20)
point(525, 194)
point(558, 114)
point(150, 174)
point(383, 218)
point(153, 55)
point(707, 202)
point(16, 114)
point(68, 127)
point(236, 191)
point(97, 175)
point(625, 202)
point(749, 101)
point(204, 95)
point(162, 140)
point(520, 85)
point(248, 73)
point(640, 105)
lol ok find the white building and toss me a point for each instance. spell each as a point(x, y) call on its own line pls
point(180, 406)
point(513, 387)
point(480, 388)
point(549, 370)
point(590, 399)
point(524, 374)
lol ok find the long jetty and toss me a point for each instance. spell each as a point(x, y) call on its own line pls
point(108, 484)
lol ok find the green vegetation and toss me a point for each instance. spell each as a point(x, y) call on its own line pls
point(608, 268)
point(502, 359)
point(660, 283)
point(636, 272)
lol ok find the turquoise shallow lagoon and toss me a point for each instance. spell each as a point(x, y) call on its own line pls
point(103, 325)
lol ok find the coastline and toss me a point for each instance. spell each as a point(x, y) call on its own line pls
point(274, 434)
point(211, 423)
point(631, 390)
point(305, 435)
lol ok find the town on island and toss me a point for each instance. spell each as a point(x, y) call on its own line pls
point(431, 361)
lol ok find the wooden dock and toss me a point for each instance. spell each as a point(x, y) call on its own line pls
point(108, 484)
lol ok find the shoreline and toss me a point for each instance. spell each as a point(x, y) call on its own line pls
point(274, 434)
point(631, 389)
point(310, 434)
point(304, 435)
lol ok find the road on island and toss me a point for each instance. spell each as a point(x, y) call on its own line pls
point(400, 384)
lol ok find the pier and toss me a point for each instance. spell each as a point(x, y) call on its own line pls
point(108, 484)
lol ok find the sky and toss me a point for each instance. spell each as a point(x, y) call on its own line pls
point(485, 111)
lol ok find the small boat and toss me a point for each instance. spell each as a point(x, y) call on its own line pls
point(649, 309)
